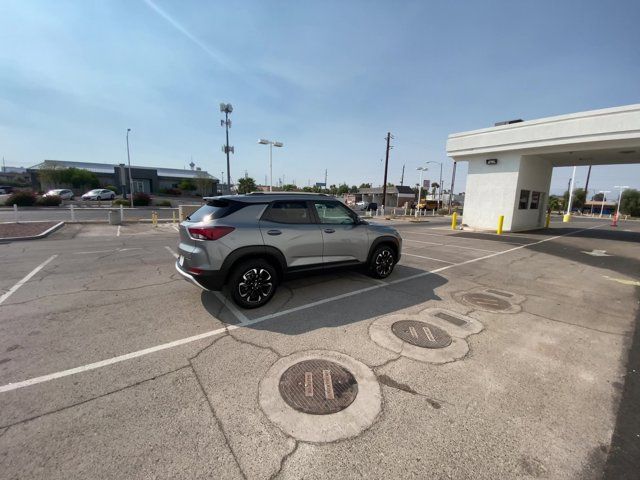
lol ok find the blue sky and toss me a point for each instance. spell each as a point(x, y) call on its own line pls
point(328, 79)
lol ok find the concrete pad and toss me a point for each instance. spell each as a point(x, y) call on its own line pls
point(110, 437)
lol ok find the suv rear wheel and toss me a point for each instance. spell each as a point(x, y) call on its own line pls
point(253, 283)
point(382, 262)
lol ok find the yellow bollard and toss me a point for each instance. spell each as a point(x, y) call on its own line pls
point(454, 220)
point(547, 221)
point(500, 222)
point(154, 219)
point(566, 218)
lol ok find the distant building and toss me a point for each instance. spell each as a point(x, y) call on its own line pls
point(14, 176)
point(396, 196)
point(145, 179)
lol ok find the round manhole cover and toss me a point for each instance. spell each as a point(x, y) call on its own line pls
point(318, 387)
point(486, 301)
point(421, 334)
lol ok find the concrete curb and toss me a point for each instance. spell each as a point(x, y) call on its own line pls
point(44, 234)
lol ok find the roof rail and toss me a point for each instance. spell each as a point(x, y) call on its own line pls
point(288, 193)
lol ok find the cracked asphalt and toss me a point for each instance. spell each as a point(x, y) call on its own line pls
point(112, 366)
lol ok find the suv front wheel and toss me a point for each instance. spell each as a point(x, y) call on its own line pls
point(253, 283)
point(382, 262)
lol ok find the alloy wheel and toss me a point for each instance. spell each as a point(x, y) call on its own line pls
point(384, 263)
point(255, 285)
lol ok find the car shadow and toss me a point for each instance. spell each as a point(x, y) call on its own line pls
point(364, 299)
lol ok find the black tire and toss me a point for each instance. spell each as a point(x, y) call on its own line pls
point(259, 274)
point(98, 198)
point(112, 196)
point(382, 262)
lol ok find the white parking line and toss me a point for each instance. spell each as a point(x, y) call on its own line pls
point(13, 289)
point(404, 239)
point(183, 341)
point(175, 228)
point(118, 234)
point(426, 258)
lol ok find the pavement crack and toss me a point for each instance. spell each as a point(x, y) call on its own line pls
point(390, 382)
point(218, 421)
point(284, 459)
point(87, 400)
point(580, 326)
point(271, 349)
point(208, 346)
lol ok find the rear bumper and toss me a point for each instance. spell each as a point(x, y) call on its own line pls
point(207, 280)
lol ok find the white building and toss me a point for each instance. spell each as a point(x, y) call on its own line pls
point(510, 165)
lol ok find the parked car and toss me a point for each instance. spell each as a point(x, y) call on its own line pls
point(99, 194)
point(251, 242)
point(63, 193)
point(6, 189)
point(361, 206)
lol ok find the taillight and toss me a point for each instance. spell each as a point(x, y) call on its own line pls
point(209, 233)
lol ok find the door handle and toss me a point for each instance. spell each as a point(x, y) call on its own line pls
point(329, 230)
point(274, 232)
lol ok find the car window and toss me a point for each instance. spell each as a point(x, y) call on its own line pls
point(288, 212)
point(334, 213)
point(214, 209)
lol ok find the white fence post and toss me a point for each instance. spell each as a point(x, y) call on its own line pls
point(121, 214)
point(73, 213)
point(15, 212)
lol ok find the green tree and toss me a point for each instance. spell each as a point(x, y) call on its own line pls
point(365, 185)
point(307, 189)
point(187, 184)
point(289, 187)
point(80, 178)
point(333, 190)
point(353, 189)
point(343, 188)
point(555, 203)
point(579, 197)
point(434, 188)
point(203, 183)
point(598, 197)
point(246, 185)
point(630, 202)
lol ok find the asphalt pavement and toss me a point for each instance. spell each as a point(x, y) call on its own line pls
point(112, 366)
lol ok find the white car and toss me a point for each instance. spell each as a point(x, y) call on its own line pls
point(99, 194)
point(361, 206)
point(63, 193)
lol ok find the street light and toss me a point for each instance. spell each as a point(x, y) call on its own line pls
point(622, 189)
point(440, 184)
point(604, 198)
point(130, 179)
point(421, 169)
point(271, 144)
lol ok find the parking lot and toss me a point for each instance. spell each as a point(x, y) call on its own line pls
point(112, 366)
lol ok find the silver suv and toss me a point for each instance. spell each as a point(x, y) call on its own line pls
point(251, 242)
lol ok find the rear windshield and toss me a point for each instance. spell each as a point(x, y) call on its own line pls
point(215, 209)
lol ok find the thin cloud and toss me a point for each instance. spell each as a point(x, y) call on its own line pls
point(215, 55)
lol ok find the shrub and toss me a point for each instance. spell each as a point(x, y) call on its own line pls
point(141, 199)
point(163, 203)
point(49, 201)
point(22, 199)
point(121, 201)
point(112, 188)
point(171, 191)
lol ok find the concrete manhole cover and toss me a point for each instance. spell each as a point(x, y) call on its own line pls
point(318, 387)
point(486, 301)
point(421, 334)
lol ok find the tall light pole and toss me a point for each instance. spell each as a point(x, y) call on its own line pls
point(571, 184)
point(622, 189)
point(227, 108)
point(420, 169)
point(130, 179)
point(439, 184)
point(604, 198)
point(271, 144)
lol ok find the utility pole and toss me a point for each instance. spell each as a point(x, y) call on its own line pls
point(586, 185)
point(130, 179)
point(453, 179)
point(386, 168)
point(402, 177)
point(227, 108)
